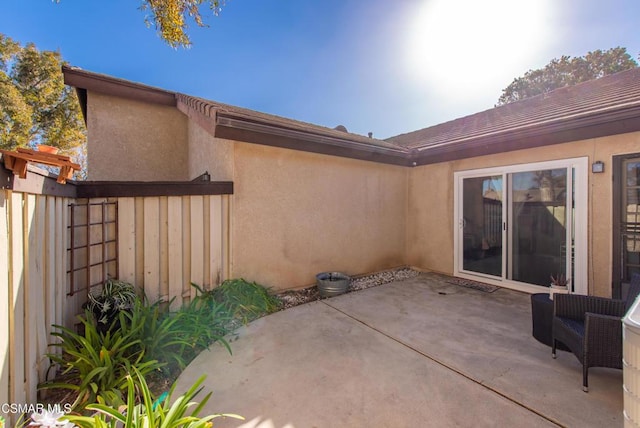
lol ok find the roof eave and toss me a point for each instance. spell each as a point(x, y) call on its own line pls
point(240, 129)
point(107, 85)
point(574, 129)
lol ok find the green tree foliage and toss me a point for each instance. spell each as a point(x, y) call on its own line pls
point(567, 71)
point(35, 105)
point(170, 17)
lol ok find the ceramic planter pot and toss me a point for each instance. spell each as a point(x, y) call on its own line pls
point(332, 283)
point(47, 149)
point(557, 289)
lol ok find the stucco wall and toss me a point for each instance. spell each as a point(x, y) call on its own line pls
point(207, 153)
point(135, 141)
point(296, 214)
point(430, 218)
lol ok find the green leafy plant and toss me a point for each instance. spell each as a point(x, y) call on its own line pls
point(161, 337)
point(116, 296)
point(98, 362)
point(204, 321)
point(245, 300)
point(147, 413)
point(175, 338)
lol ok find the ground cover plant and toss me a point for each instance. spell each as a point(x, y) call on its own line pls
point(115, 297)
point(144, 337)
point(143, 410)
point(245, 300)
point(95, 364)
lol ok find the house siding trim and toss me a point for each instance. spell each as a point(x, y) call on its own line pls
point(159, 188)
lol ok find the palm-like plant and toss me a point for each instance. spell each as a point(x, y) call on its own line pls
point(162, 413)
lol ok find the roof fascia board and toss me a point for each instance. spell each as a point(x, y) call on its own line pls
point(239, 129)
point(532, 138)
point(116, 87)
point(552, 125)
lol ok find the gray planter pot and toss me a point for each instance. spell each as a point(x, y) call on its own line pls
point(332, 283)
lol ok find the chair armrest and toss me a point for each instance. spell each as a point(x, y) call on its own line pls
point(575, 306)
point(604, 332)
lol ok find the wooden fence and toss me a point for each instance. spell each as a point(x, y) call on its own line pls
point(33, 244)
point(163, 244)
point(166, 243)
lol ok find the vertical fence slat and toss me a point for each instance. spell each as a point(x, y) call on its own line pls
point(32, 302)
point(215, 240)
point(4, 297)
point(174, 241)
point(197, 241)
point(37, 290)
point(64, 316)
point(187, 290)
point(127, 239)
point(49, 260)
point(206, 234)
point(227, 266)
point(151, 239)
point(138, 280)
point(16, 288)
point(164, 250)
point(60, 263)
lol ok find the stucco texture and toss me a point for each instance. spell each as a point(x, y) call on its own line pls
point(209, 154)
point(134, 141)
point(296, 214)
point(430, 213)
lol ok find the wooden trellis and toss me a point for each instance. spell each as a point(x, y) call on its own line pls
point(16, 161)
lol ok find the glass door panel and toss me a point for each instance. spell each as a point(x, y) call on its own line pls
point(537, 225)
point(482, 225)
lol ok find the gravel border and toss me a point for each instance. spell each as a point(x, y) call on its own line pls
point(298, 297)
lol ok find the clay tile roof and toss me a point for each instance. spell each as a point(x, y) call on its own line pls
point(609, 94)
point(606, 106)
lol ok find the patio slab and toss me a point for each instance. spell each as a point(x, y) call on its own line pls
point(418, 352)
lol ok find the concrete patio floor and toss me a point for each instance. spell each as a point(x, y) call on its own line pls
point(418, 352)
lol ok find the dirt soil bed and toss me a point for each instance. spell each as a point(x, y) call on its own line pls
point(298, 297)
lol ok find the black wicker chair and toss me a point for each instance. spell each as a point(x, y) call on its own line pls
point(591, 328)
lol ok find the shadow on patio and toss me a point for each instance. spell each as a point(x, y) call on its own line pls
point(418, 352)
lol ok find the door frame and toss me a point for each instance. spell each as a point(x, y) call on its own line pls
point(580, 221)
point(617, 278)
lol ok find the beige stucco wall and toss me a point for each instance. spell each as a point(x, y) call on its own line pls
point(207, 153)
point(296, 214)
point(134, 141)
point(430, 213)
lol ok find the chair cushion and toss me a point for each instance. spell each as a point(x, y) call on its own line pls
point(576, 327)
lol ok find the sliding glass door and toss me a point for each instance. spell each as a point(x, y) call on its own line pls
point(517, 224)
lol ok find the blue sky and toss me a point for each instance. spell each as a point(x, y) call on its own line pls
point(387, 67)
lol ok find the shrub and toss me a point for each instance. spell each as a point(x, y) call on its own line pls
point(175, 338)
point(100, 362)
point(115, 297)
point(245, 300)
point(204, 321)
